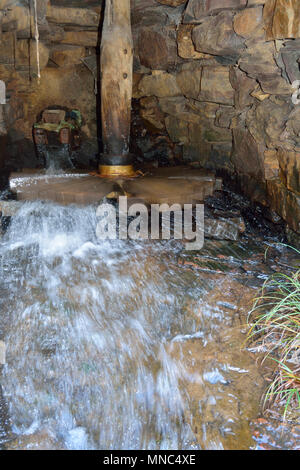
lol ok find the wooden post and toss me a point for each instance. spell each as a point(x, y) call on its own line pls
point(116, 65)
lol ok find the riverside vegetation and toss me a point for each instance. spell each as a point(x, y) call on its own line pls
point(275, 327)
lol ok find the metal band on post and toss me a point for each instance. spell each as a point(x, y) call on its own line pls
point(111, 171)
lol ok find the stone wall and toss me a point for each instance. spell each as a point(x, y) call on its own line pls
point(212, 84)
point(67, 34)
point(225, 97)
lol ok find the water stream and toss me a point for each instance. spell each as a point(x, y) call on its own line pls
point(122, 345)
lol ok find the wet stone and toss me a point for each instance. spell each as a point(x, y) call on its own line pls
point(270, 434)
point(41, 440)
point(293, 238)
point(224, 229)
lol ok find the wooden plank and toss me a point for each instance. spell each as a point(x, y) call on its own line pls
point(116, 65)
point(165, 187)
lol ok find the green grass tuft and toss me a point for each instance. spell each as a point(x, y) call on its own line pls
point(275, 326)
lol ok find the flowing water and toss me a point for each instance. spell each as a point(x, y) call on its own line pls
point(120, 345)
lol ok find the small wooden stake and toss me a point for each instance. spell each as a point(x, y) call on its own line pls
point(116, 81)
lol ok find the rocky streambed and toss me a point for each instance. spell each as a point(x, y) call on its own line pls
point(134, 345)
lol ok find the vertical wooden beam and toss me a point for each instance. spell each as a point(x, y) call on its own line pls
point(116, 65)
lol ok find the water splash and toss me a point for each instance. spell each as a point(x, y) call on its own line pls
point(111, 345)
point(87, 320)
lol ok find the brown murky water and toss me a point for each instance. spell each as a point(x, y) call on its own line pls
point(121, 345)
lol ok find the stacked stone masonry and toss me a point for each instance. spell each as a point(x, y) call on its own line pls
point(214, 83)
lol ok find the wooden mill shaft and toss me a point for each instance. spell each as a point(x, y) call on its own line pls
point(116, 65)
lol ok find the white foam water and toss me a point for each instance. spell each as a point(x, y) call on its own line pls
point(115, 344)
point(87, 329)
